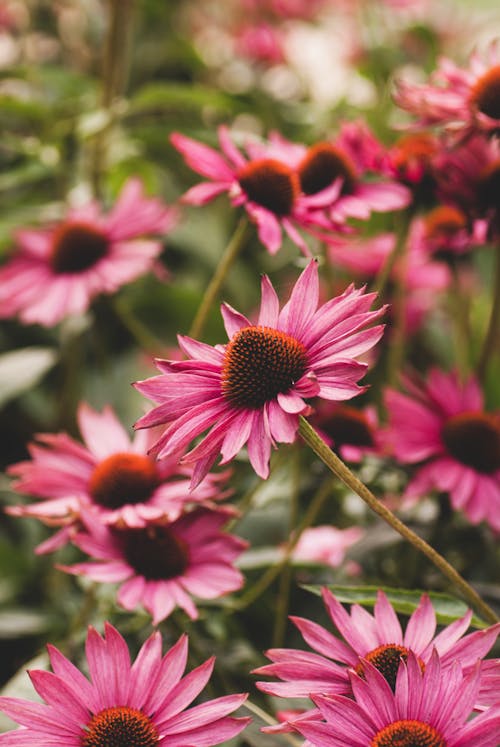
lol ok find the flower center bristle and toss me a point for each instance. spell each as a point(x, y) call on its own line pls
point(408, 733)
point(261, 362)
point(386, 659)
point(271, 184)
point(473, 438)
point(123, 478)
point(485, 95)
point(120, 727)
point(322, 165)
point(346, 425)
point(156, 552)
point(488, 192)
point(444, 222)
point(76, 247)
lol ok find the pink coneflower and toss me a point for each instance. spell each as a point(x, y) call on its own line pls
point(161, 565)
point(57, 272)
point(428, 709)
point(446, 233)
point(352, 432)
point(442, 426)
point(376, 639)
point(252, 389)
point(124, 704)
point(111, 476)
point(465, 101)
point(265, 185)
point(326, 544)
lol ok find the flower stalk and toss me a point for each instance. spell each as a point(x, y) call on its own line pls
point(337, 466)
point(492, 339)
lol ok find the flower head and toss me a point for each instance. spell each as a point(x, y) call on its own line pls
point(427, 708)
point(442, 427)
point(57, 272)
point(252, 389)
point(377, 639)
point(110, 476)
point(125, 704)
point(160, 566)
point(464, 100)
point(326, 544)
point(351, 431)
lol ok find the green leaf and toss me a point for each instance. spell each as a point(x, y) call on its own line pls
point(22, 369)
point(404, 601)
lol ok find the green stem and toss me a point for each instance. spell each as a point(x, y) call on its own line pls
point(269, 720)
point(268, 577)
point(384, 276)
point(459, 311)
point(337, 466)
point(230, 253)
point(492, 340)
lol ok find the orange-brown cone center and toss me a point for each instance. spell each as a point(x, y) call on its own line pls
point(444, 222)
point(485, 95)
point(473, 438)
point(261, 362)
point(123, 478)
point(120, 727)
point(322, 165)
point(77, 247)
point(156, 552)
point(271, 184)
point(408, 733)
point(386, 659)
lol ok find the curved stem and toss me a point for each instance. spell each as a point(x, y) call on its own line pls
point(230, 253)
point(492, 339)
point(339, 469)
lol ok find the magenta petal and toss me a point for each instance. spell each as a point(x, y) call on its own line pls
point(269, 306)
point(298, 312)
point(233, 320)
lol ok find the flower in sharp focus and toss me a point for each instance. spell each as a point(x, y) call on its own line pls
point(441, 426)
point(252, 389)
point(110, 476)
point(124, 704)
point(377, 639)
point(161, 565)
point(57, 272)
point(427, 708)
point(463, 100)
point(265, 184)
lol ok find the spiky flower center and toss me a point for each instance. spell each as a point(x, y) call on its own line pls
point(473, 438)
point(322, 165)
point(76, 247)
point(488, 191)
point(120, 726)
point(485, 94)
point(386, 659)
point(123, 478)
point(408, 733)
point(259, 364)
point(444, 222)
point(271, 184)
point(346, 425)
point(156, 552)
point(416, 148)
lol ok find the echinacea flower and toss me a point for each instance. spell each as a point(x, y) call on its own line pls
point(441, 427)
point(427, 708)
point(124, 704)
point(446, 233)
point(465, 101)
point(161, 565)
point(352, 432)
point(252, 389)
point(110, 476)
point(58, 271)
point(377, 639)
point(326, 545)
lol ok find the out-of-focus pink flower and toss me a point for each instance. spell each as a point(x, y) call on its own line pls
point(57, 272)
point(326, 544)
point(260, 41)
point(252, 390)
point(411, 161)
point(427, 707)
point(160, 566)
point(265, 185)
point(377, 641)
point(463, 100)
point(123, 703)
point(442, 427)
point(421, 276)
point(352, 432)
point(445, 233)
point(110, 476)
